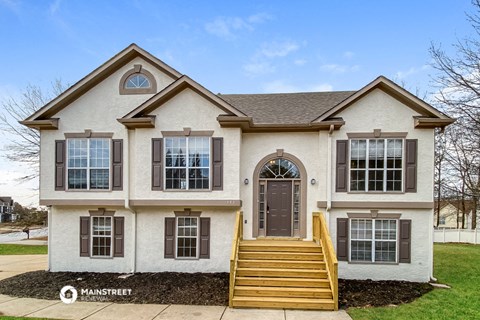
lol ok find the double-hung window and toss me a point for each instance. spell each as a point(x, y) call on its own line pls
point(373, 240)
point(376, 164)
point(88, 164)
point(187, 163)
point(102, 236)
point(187, 237)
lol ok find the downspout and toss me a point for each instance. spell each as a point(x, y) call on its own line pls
point(329, 174)
point(126, 183)
point(49, 240)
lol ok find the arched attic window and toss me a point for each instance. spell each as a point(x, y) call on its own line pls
point(137, 81)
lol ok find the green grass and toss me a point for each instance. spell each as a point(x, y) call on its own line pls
point(12, 249)
point(457, 265)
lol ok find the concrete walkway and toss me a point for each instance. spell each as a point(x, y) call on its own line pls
point(55, 309)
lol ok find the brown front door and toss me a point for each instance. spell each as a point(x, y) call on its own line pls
point(279, 208)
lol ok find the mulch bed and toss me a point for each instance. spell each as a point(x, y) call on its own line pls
point(193, 288)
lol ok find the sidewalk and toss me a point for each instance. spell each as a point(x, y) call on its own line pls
point(55, 309)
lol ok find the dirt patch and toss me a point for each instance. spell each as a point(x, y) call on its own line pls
point(193, 288)
point(368, 293)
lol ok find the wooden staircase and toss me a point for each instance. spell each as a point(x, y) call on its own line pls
point(281, 274)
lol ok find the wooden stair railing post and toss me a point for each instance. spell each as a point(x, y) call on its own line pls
point(237, 236)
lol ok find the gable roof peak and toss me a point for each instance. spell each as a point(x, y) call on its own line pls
point(92, 79)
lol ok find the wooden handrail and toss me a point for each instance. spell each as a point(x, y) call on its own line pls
point(322, 236)
point(237, 237)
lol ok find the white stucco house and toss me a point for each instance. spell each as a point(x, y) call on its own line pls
point(144, 170)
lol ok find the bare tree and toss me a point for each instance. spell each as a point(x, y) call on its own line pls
point(24, 142)
point(458, 81)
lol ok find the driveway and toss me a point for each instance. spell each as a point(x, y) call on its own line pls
point(11, 265)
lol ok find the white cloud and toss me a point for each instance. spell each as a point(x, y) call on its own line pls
point(13, 5)
point(54, 6)
point(339, 68)
point(227, 27)
point(400, 75)
point(348, 55)
point(258, 68)
point(300, 62)
point(259, 18)
point(281, 86)
point(278, 49)
point(261, 62)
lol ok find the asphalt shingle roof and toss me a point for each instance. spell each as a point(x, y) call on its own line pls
point(286, 108)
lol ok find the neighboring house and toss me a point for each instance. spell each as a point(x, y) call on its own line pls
point(143, 170)
point(450, 209)
point(6, 210)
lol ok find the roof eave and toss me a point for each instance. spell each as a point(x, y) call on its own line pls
point(247, 125)
point(431, 123)
point(137, 123)
point(45, 124)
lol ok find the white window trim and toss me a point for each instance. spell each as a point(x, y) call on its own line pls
point(88, 168)
point(397, 230)
point(99, 236)
point(367, 166)
point(187, 168)
point(197, 251)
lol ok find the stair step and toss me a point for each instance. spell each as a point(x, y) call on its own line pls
point(265, 255)
point(283, 303)
point(282, 282)
point(286, 273)
point(252, 291)
point(301, 246)
point(282, 264)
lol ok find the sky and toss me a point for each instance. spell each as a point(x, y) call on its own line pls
point(228, 47)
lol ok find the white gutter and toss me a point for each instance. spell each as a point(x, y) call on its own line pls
point(329, 174)
point(126, 185)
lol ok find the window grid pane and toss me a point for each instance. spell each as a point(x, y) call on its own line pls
point(101, 236)
point(261, 206)
point(373, 240)
point(379, 169)
point(187, 157)
point(88, 164)
point(187, 235)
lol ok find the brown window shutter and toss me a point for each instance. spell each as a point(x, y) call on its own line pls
point(342, 239)
point(411, 165)
point(204, 238)
point(217, 163)
point(157, 159)
point(118, 236)
point(169, 238)
point(117, 164)
point(60, 162)
point(405, 241)
point(342, 166)
point(84, 236)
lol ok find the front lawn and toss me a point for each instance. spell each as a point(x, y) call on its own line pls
point(457, 265)
point(13, 249)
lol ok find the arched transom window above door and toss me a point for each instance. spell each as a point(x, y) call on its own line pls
point(279, 169)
